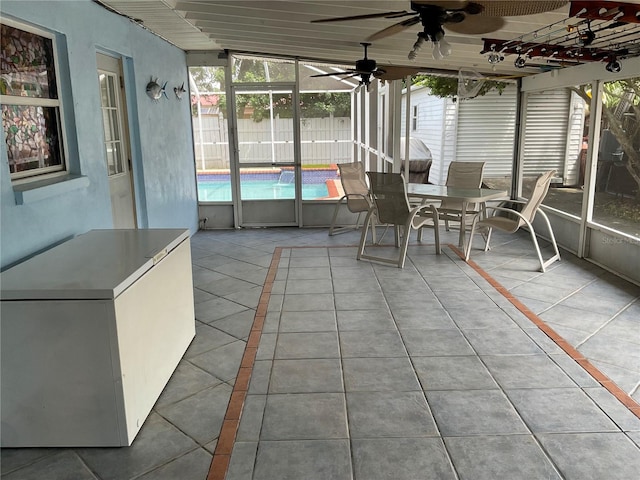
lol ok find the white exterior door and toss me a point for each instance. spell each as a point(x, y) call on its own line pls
point(116, 146)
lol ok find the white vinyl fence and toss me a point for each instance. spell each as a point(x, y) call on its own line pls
point(324, 141)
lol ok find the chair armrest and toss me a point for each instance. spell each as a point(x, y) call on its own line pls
point(508, 210)
point(421, 209)
point(508, 200)
point(429, 201)
point(359, 195)
point(485, 206)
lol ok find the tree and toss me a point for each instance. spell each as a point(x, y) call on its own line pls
point(621, 115)
point(312, 105)
point(447, 87)
point(210, 80)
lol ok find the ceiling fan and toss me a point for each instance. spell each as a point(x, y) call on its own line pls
point(365, 68)
point(466, 17)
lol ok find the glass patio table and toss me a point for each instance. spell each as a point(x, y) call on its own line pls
point(463, 195)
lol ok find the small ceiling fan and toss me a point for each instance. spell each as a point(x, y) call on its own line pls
point(466, 17)
point(365, 68)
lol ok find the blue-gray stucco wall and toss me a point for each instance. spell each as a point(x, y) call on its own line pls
point(160, 132)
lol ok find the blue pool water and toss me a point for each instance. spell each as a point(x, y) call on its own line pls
point(258, 190)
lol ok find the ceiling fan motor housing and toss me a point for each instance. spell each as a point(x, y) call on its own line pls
point(433, 17)
point(366, 65)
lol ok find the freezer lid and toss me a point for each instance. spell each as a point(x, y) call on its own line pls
point(99, 264)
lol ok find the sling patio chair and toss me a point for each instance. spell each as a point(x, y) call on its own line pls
point(391, 207)
point(510, 220)
point(461, 175)
point(356, 195)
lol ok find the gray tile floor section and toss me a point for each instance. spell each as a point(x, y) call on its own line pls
point(369, 372)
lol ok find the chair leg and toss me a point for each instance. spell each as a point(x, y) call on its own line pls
point(373, 229)
point(436, 231)
point(363, 235)
point(358, 220)
point(467, 252)
point(534, 239)
point(405, 244)
point(556, 256)
point(396, 231)
point(436, 220)
point(335, 215)
point(486, 243)
point(333, 230)
point(535, 244)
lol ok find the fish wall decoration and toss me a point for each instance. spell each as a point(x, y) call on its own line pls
point(155, 91)
point(179, 91)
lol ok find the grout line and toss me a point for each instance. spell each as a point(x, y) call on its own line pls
point(341, 361)
point(600, 377)
point(226, 440)
point(635, 389)
point(615, 315)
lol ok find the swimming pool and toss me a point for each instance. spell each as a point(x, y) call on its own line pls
point(259, 190)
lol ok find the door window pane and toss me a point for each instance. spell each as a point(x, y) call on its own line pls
point(265, 126)
point(114, 150)
point(114, 158)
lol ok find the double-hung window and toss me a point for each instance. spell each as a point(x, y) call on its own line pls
point(31, 108)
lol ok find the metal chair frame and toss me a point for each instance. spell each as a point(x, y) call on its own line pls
point(356, 196)
point(522, 218)
point(462, 175)
point(391, 206)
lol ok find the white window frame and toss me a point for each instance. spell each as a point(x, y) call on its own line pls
point(44, 172)
point(414, 119)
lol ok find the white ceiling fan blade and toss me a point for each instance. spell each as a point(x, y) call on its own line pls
point(473, 25)
point(512, 8)
point(499, 8)
point(446, 4)
point(333, 74)
point(396, 28)
point(364, 17)
point(392, 72)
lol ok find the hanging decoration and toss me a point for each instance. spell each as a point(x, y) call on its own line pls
point(596, 31)
point(179, 91)
point(155, 91)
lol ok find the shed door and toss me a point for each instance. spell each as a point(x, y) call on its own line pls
point(545, 131)
point(486, 131)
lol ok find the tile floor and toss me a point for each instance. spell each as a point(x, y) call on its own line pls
point(364, 371)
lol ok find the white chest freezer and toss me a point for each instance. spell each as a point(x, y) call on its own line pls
point(91, 331)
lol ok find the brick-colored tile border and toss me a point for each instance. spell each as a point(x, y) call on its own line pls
point(227, 438)
point(600, 377)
